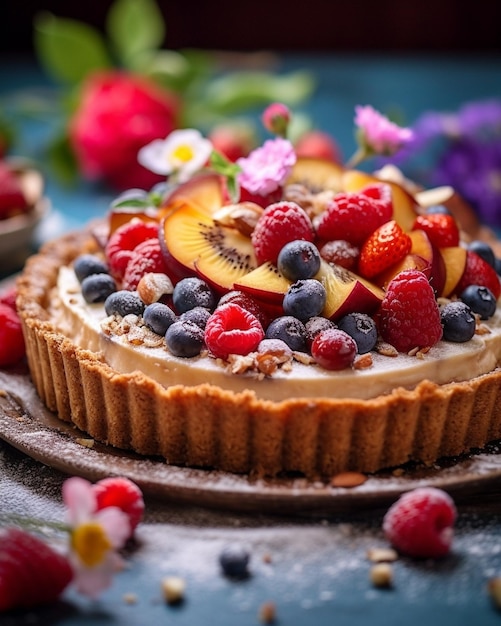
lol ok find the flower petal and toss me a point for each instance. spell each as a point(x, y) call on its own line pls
point(79, 499)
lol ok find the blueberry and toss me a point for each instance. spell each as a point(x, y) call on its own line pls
point(158, 317)
point(88, 264)
point(298, 260)
point(438, 208)
point(497, 266)
point(484, 251)
point(480, 299)
point(97, 287)
point(234, 560)
point(184, 338)
point(305, 299)
point(458, 322)
point(362, 328)
point(316, 325)
point(199, 315)
point(290, 330)
point(123, 303)
point(191, 292)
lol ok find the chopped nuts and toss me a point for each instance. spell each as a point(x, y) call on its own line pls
point(494, 589)
point(152, 286)
point(348, 479)
point(386, 349)
point(242, 216)
point(381, 575)
point(363, 361)
point(173, 588)
point(382, 555)
point(267, 613)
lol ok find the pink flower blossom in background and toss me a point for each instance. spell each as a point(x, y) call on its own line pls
point(267, 168)
point(96, 537)
point(276, 118)
point(377, 134)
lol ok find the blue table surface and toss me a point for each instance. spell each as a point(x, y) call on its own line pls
point(317, 572)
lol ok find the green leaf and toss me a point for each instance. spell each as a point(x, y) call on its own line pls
point(134, 26)
point(67, 49)
point(62, 160)
point(168, 68)
point(240, 90)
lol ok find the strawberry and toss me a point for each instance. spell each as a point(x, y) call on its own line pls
point(478, 272)
point(12, 199)
point(279, 223)
point(387, 245)
point(146, 257)
point(441, 228)
point(123, 240)
point(31, 572)
point(122, 493)
point(232, 330)
point(409, 316)
point(12, 347)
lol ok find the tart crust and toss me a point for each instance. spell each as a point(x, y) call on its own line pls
point(206, 426)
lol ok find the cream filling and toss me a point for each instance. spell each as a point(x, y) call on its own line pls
point(446, 362)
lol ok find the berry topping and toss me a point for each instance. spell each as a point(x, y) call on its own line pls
point(97, 287)
point(192, 292)
point(234, 560)
point(12, 347)
point(340, 252)
point(8, 296)
point(478, 272)
point(147, 257)
point(123, 303)
point(305, 299)
point(122, 493)
point(333, 349)
point(123, 241)
point(352, 216)
point(458, 321)
point(158, 317)
point(199, 315)
point(441, 228)
point(480, 300)
point(315, 325)
point(12, 198)
point(362, 328)
point(298, 260)
point(484, 250)
point(290, 330)
point(232, 330)
point(88, 264)
point(246, 302)
point(279, 224)
point(409, 314)
point(421, 523)
point(31, 572)
point(387, 245)
point(184, 338)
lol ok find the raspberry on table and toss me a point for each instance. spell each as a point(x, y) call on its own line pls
point(123, 493)
point(232, 330)
point(12, 347)
point(409, 315)
point(279, 224)
point(147, 257)
point(421, 523)
point(120, 245)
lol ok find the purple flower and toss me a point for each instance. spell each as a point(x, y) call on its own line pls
point(267, 167)
point(377, 134)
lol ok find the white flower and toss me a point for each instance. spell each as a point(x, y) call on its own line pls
point(96, 536)
point(182, 153)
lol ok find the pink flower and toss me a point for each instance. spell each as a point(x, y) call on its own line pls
point(118, 113)
point(96, 537)
point(377, 134)
point(267, 168)
point(276, 118)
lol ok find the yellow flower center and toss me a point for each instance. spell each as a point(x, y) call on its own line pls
point(183, 153)
point(90, 543)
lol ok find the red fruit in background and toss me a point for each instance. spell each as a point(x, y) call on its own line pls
point(478, 272)
point(280, 223)
point(318, 144)
point(441, 228)
point(120, 245)
point(387, 245)
point(232, 140)
point(333, 349)
point(146, 257)
point(263, 201)
point(31, 572)
point(409, 316)
point(12, 348)
point(117, 114)
point(122, 493)
point(341, 253)
point(12, 199)
point(8, 297)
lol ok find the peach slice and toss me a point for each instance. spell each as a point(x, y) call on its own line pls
point(265, 283)
point(404, 205)
point(347, 292)
point(422, 246)
point(121, 215)
point(409, 262)
point(316, 174)
point(193, 242)
point(454, 261)
point(204, 192)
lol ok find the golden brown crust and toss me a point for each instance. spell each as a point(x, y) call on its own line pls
point(206, 426)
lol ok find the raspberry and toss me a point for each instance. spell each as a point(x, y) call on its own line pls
point(123, 241)
point(122, 493)
point(381, 193)
point(12, 198)
point(341, 252)
point(333, 349)
point(8, 296)
point(232, 330)
point(31, 572)
point(409, 315)
point(353, 217)
point(280, 223)
point(441, 229)
point(12, 348)
point(146, 257)
point(387, 245)
point(478, 272)
point(420, 523)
